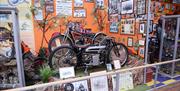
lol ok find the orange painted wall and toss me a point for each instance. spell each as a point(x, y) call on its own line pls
point(90, 19)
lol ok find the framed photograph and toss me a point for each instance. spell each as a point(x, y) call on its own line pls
point(127, 7)
point(49, 8)
point(114, 27)
point(90, 1)
point(66, 72)
point(142, 27)
point(127, 26)
point(141, 7)
point(49, 1)
point(78, 3)
point(81, 85)
point(125, 81)
point(99, 83)
point(130, 42)
point(80, 13)
point(141, 42)
point(100, 4)
point(39, 15)
point(113, 7)
point(141, 52)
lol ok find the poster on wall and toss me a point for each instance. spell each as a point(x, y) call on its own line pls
point(39, 15)
point(114, 27)
point(99, 83)
point(64, 7)
point(79, 13)
point(127, 26)
point(141, 7)
point(130, 42)
point(127, 7)
point(141, 51)
point(100, 4)
point(142, 28)
point(125, 81)
point(78, 3)
point(112, 7)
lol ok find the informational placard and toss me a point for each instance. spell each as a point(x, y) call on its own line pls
point(66, 72)
point(125, 81)
point(64, 7)
point(99, 83)
point(117, 64)
point(81, 85)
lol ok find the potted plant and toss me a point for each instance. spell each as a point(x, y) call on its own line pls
point(46, 73)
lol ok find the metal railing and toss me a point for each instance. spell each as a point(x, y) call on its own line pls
point(117, 72)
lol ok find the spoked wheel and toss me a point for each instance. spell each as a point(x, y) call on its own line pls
point(98, 38)
point(58, 41)
point(62, 56)
point(120, 53)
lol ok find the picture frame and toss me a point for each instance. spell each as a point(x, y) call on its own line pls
point(79, 13)
point(78, 3)
point(90, 1)
point(141, 7)
point(81, 85)
point(66, 72)
point(114, 27)
point(39, 15)
point(99, 4)
point(127, 27)
point(141, 42)
point(99, 83)
point(127, 7)
point(49, 8)
point(49, 1)
point(130, 42)
point(113, 7)
point(142, 28)
point(141, 52)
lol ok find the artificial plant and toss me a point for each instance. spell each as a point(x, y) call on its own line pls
point(100, 15)
point(48, 22)
point(45, 73)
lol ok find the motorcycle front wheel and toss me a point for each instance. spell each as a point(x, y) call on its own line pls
point(119, 52)
point(57, 41)
point(63, 56)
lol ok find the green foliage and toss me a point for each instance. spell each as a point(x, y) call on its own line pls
point(45, 73)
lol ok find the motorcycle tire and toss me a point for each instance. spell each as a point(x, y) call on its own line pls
point(52, 42)
point(63, 56)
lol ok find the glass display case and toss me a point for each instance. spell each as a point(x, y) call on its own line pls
point(170, 45)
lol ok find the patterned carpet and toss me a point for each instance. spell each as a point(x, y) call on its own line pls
point(163, 80)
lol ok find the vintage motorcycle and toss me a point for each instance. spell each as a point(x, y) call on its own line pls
point(88, 55)
point(73, 36)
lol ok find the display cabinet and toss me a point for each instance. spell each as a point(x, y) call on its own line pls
point(170, 45)
point(11, 64)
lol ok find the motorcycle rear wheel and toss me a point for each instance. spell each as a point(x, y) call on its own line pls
point(63, 56)
point(119, 52)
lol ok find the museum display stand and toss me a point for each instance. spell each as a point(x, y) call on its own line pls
point(169, 48)
point(13, 13)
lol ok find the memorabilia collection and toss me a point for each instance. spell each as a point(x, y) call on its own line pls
point(79, 46)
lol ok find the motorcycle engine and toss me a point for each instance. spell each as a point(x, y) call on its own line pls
point(92, 59)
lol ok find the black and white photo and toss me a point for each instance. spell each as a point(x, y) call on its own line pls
point(127, 7)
